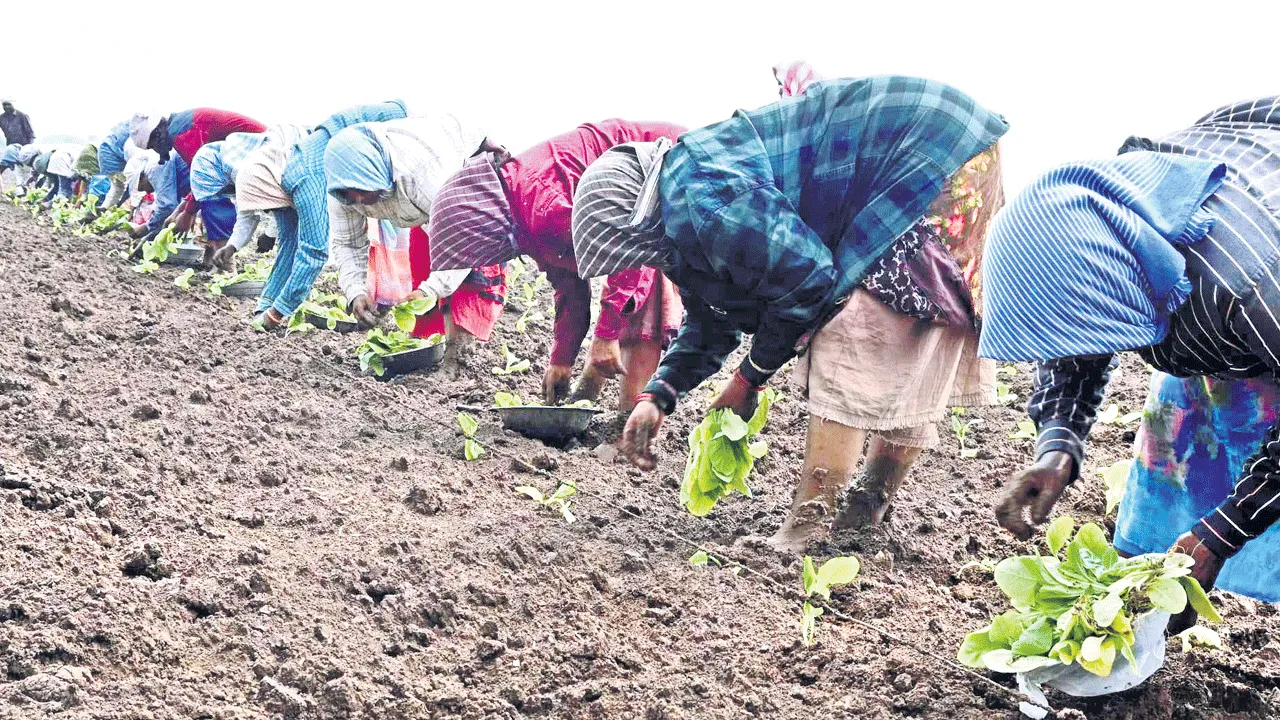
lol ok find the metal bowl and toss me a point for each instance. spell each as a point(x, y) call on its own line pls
point(408, 361)
point(244, 288)
point(322, 323)
point(554, 424)
point(192, 255)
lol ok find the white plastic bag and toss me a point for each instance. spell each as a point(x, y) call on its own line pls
point(1148, 649)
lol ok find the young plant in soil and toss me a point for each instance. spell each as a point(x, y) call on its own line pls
point(1026, 430)
point(514, 364)
point(558, 501)
point(1079, 604)
point(1110, 415)
point(184, 278)
point(962, 428)
point(471, 449)
point(722, 454)
point(818, 582)
point(1004, 394)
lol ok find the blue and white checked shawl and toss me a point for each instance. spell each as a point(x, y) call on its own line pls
point(216, 164)
point(1083, 261)
point(775, 215)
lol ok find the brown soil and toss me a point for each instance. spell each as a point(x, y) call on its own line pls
point(201, 521)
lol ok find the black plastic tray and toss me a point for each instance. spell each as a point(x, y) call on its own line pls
point(408, 361)
point(244, 288)
point(322, 323)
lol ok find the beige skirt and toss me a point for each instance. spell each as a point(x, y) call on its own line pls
point(879, 370)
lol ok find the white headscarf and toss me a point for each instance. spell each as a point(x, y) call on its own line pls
point(62, 163)
point(143, 163)
point(259, 184)
point(142, 125)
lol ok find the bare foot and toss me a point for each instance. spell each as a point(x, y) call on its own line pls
point(811, 522)
point(861, 509)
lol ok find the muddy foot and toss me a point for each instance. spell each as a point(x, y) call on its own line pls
point(861, 509)
point(811, 522)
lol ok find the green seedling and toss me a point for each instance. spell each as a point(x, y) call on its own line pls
point(1110, 415)
point(184, 279)
point(558, 501)
point(1026, 430)
point(1199, 636)
point(514, 365)
point(471, 449)
point(818, 582)
point(1079, 603)
point(962, 428)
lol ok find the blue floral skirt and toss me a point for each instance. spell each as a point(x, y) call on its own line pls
point(1195, 437)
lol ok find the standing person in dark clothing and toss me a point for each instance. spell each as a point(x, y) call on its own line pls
point(15, 125)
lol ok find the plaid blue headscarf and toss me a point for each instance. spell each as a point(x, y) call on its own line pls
point(355, 160)
point(10, 157)
point(1085, 260)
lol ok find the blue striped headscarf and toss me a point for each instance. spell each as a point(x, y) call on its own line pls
point(1084, 261)
point(355, 160)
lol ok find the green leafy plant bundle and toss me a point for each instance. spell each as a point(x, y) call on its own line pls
point(1079, 604)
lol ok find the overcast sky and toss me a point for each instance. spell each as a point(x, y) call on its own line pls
point(1074, 79)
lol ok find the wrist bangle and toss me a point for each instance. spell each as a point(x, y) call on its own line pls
point(737, 375)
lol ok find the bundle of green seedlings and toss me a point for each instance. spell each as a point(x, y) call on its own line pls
point(117, 218)
point(379, 343)
point(503, 399)
point(72, 212)
point(406, 314)
point(157, 251)
point(331, 307)
point(1079, 604)
point(722, 455)
point(256, 271)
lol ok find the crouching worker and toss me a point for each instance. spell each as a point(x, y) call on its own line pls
point(849, 220)
point(499, 206)
point(391, 171)
point(1168, 250)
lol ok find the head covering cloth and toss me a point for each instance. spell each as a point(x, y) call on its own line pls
point(142, 125)
point(794, 77)
point(144, 163)
point(259, 184)
point(1085, 260)
point(617, 219)
point(355, 160)
point(471, 223)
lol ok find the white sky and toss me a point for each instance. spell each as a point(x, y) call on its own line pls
point(1073, 78)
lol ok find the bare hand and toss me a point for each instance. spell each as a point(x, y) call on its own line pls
point(738, 396)
point(268, 320)
point(1205, 571)
point(555, 383)
point(224, 258)
point(182, 221)
point(637, 438)
point(1037, 489)
point(365, 311)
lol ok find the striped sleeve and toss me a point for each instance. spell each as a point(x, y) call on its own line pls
point(1254, 505)
point(1065, 402)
